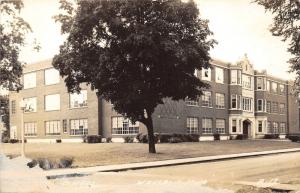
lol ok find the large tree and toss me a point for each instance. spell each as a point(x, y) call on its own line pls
point(13, 30)
point(134, 53)
point(286, 24)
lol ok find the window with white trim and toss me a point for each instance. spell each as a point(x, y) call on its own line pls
point(52, 127)
point(274, 87)
point(247, 104)
point(30, 129)
point(234, 101)
point(206, 99)
point(247, 81)
point(269, 127)
point(281, 88)
point(78, 100)
point(275, 128)
point(260, 105)
point(79, 127)
point(260, 126)
point(51, 76)
point(268, 107)
point(206, 126)
point(30, 104)
point(236, 77)
point(29, 80)
point(52, 102)
point(260, 83)
point(206, 74)
point(220, 101)
point(190, 102)
point(281, 108)
point(219, 75)
point(192, 125)
point(234, 126)
point(123, 126)
point(220, 126)
point(274, 107)
point(282, 128)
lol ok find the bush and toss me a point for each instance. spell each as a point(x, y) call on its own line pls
point(143, 138)
point(92, 139)
point(108, 140)
point(271, 136)
point(164, 138)
point(47, 164)
point(294, 138)
point(5, 139)
point(65, 162)
point(174, 139)
point(128, 139)
point(216, 136)
point(241, 137)
point(58, 140)
point(194, 137)
point(13, 141)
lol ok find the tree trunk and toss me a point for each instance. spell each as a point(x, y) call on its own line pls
point(151, 139)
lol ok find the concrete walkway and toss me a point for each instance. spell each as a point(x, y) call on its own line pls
point(70, 172)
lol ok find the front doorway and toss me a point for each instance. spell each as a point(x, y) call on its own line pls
point(247, 128)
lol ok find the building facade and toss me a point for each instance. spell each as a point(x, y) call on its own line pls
point(240, 100)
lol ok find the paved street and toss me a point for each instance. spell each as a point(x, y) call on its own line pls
point(283, 168)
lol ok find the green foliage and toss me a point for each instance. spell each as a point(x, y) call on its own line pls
point(286, 24)
point(134, 53)
point(13, 30)
point(4, 111)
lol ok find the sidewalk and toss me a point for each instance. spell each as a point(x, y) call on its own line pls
point(70, 172)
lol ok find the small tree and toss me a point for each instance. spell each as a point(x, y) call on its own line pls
point(286, 24)
point(13, 30)
point(4, 112)
point(134, 53)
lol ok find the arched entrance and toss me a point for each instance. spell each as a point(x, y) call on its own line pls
point(247, 128)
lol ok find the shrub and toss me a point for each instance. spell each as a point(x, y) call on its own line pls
point(241, 137)
point(271, 136)
point(194, 137)
point(128, 139)
point(47, 164)
point(32, 164)
point(58, 140)
point(165, 138)
point(5, 139)
point(216, 136)
point(141, 138)
point(294, 138)
point(174, 139)
point(92, 139)
point(65, 162)
point(13, 141)
point(108, 140)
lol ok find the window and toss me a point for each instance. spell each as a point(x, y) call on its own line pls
point(260, 126)
point(190, 102)
point(206, 74)
point(220, 126)
point(281, 88)
point(52, 102)
point(52, 127)
point(274, 87)
point(282, 128)
point(220, 101)
point(260, 105)
point(30, 104)
point(123, 126)
point(234, 126)
point(268, 107)
point(233, 101)
point(79, 127)
point(219, 75)
point(192, 125)
point(268, 85)
point(78, 100)
point(13, 107)
point(206, 99)
point(274, 107)
point(51, 76)
point(29, 80)
point(247, 104)
point(247, 81)
point(281, 108)
point(30, 129)
point(236, 77)
point(207, 126)
point(260, 84)
point(65, 126)
point(275, 127)
point(269, 127)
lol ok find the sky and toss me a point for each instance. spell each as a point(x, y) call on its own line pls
point(239, 26)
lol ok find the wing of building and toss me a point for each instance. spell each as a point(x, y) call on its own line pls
point(241, 101)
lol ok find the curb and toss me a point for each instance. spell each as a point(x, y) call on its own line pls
point(73, 172)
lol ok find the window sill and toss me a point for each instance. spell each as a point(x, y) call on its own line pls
point(124, 134)
point(207, 107)
point(49, 135)
point(32, 136)
point(192, 105)
point(51, 110)
point(220, 108)
point(71, 108)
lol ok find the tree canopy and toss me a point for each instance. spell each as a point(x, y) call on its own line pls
point(13, 30)
point(134, 53)
point(286, 24)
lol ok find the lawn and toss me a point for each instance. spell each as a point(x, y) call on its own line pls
point(116, 153)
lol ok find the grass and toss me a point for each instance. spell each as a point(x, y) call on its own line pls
point(85, 155)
